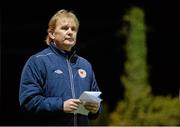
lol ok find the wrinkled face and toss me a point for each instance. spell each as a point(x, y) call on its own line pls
point(65, 33)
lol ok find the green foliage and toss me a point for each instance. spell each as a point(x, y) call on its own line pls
point(139, 106)
point(163, 111)
point(155, 110)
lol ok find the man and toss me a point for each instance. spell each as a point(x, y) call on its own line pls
point(53, 79)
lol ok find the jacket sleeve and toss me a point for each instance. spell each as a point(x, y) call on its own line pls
point(94, 87)
point(31, 95)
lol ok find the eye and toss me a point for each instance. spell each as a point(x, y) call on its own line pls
point(64, 27)
point(73, 28)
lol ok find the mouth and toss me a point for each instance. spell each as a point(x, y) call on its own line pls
point(69, 39)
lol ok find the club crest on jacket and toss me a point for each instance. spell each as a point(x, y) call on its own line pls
point(82, 73)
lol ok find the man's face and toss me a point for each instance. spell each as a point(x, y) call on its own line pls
point(65, 34)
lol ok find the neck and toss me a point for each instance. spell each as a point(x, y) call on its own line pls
point(63, 48)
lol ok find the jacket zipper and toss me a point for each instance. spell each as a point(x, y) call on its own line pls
point(72, 88)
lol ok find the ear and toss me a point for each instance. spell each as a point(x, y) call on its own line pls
point(51, 35)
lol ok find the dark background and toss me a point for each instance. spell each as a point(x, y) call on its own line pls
point(23, 31)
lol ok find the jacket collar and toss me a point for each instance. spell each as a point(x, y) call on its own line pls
point(70, 55)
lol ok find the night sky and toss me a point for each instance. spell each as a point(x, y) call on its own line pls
point(23, 31)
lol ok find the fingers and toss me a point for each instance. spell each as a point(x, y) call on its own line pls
point(77, 101)
point(71, 105)
point(74, 105)
point(92, 107)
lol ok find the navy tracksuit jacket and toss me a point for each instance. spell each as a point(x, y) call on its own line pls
point(51, 77)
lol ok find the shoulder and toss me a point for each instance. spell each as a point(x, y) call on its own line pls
point(43, 54)
point(39, 56)
point(83, 62)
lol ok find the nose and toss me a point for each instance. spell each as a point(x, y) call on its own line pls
point(69, 31)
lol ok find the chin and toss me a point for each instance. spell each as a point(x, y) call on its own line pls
point(71, 43)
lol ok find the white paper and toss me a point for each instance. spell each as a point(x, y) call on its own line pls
point(88, 96)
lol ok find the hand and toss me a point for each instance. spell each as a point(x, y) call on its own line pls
point(71, 105)
point(92, 107)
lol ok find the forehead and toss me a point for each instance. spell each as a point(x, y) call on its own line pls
point(66, 21)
